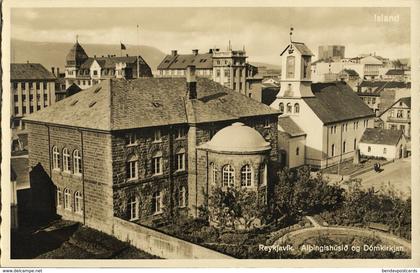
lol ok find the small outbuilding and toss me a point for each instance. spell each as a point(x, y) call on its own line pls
point(386, 143)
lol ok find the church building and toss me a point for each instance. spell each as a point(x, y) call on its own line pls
point(326, 120)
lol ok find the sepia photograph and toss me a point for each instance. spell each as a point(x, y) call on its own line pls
point(160, 132)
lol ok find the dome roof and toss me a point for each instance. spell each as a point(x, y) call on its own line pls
point(238, 138)
point(76, 55)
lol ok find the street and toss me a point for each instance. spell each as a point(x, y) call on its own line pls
point(396, 174)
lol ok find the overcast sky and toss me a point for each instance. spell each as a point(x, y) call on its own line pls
point(263, 31)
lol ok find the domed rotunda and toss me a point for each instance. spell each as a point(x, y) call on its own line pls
point(237, 156)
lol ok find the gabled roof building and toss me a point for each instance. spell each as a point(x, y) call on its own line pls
point(331, 115)
point(86, 71)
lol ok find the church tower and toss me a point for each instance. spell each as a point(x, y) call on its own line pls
point(295, 77)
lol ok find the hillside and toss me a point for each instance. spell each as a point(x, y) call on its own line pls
point(54, 54)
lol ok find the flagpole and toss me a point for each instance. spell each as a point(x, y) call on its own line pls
point(138, 52)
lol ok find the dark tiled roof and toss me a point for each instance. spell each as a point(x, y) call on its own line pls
point(290, 127)
point(30, 71)
point(351, 72)
point(381, 136)
point(395, 72)
point(336, 101)
point(201, 61)
point(109, 62)
point(118, 104)
point(385, 84)
point(76, 54)
point(301, 47)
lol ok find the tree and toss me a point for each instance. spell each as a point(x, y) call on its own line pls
point(234, 208)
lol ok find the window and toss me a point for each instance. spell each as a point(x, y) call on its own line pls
point(180, 133)
point(59, 201)
point(354, 144)
point(182, 197)
point(332, 150)
point(369, 149)
point(66, 160)
point(95, 72)
point(213, 170)
point(297, 151)
point(391, 114)
point(180, 160)
point(373, 100)
point(31, 85)
point(408, 114)
point(131, 139)
point(131, 167)
point(24, 110)
point(157, 163)
point(15, 85)
point(267, 123)
point(157, 136)
point(228, 176)
point(31, 109)
point(296, 108)
point(157, 202)
point(77, 162)
point(290, 67)
point(16, 110)
point(246, 176)
point(281, 107)
point(399, 114)
point(344, 147)
point(133, 208)
point(78, 202)
point(56, 158)
point(306, 66)
point(289, 108)
point(37, 85)
point(217, 72)
point(67, 199)
point(384, 151)
point(227, 73)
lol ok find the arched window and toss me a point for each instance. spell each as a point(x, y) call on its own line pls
point(157, 202)
point(180, 160)
point(157, 163)
point(281, 107)
point(78, 202)
point(67, 199)
point(56, 158)
point(133, 208)
point(59, 201)
point(132, 167)
point(77, 162)
point(228, 176)
point(182, 197)
point(297, 109)
point(66, 160)
point(289, 108)
point(246, 176)
point(213, 174)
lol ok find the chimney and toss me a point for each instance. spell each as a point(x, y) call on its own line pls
point(52, 70)
point(58, 72)
point(174, 52)
point(210, 50)
point(195, 51)
point(191, 82)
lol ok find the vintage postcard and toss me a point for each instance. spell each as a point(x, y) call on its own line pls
point(251, 134)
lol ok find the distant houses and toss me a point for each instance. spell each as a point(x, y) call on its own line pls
point(398, 116)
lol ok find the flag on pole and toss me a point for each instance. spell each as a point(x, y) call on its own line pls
point(123, 46)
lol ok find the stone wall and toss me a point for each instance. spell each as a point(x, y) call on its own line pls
point(168, 183)
point(160, 244)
